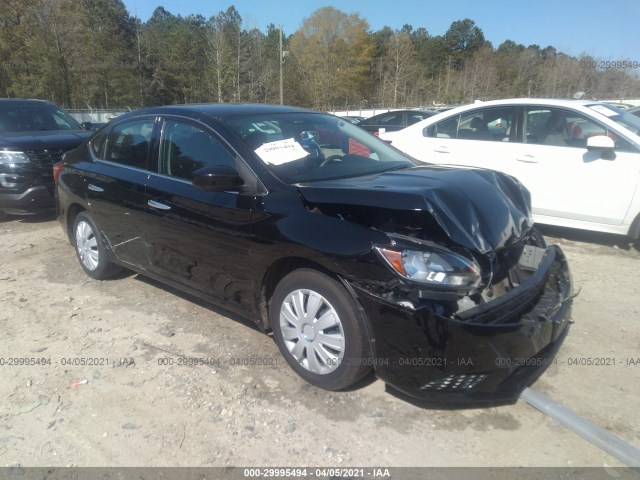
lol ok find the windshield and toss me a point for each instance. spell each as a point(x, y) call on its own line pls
point(31, 117)
point(625, 119)
point(310, 147)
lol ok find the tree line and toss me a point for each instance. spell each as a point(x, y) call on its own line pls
point(94, 54)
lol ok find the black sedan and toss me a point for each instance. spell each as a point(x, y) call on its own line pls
point(394, 120)
point(353, 256)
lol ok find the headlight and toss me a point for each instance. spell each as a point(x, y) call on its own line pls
point(433, 267)
point(7, 157)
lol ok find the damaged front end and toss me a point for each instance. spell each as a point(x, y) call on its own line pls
point(466, 302)
point(458, 278)
point(460, 326)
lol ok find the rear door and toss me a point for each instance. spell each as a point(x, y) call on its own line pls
point(483, 137)
point(115, 186)
point(200, 240)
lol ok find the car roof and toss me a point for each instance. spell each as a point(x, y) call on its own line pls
point(220, 110)
point(579, 105)
point(24, 100)
point(560, 102)
point(402, 110)
point(375, 117)
point(551, 102)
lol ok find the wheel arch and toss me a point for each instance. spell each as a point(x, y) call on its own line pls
point(275, 273)
point(634, 229)
point(282, 267)
point(72, 212)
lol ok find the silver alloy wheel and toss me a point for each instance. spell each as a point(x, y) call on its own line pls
point(312, 331)
point(87, 245)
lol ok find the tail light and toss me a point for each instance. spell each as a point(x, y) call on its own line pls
point(57, 169)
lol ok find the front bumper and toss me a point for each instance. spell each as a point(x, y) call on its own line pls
point(489, 356)
point(33, 200)
point(28, 188)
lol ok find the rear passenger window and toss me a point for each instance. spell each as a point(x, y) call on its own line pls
point(129, 143)
point(391, 120)
point(186, 148)
point(445, 129)
point(415, 118)
point(488, 124)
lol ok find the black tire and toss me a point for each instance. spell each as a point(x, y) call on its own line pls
point(344, 364)
point(90, 249)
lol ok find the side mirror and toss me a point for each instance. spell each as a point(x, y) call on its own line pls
point(602, 144)
point(86, 125)
point(219, 178)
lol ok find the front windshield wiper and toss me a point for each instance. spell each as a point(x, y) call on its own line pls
point(397, 167)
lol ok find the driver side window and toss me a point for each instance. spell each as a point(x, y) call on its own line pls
point(564, 128)
point(185, 148)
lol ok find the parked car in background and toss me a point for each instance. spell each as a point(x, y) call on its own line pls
point(34, 134)
point(394, 120)
point(94, 126)
point(580, 159)
point(620, 105)
point(353, 118)
point(354, 256)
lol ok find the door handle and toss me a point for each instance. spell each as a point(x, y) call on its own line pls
point(527, 159)
point(95, 188)
point(158, 205)
point(441, 150)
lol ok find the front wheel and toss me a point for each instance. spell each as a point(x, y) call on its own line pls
point(90, 249)
point(318, 329)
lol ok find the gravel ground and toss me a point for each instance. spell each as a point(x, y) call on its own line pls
point(138, 407)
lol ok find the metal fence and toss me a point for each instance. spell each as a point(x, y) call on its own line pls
point(96, 115)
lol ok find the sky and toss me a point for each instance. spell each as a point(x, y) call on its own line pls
point(608, 30)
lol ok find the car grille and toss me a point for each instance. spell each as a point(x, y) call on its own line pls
point(43, 160)
point(455, 382)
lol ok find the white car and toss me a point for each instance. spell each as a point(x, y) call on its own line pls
point(579, 159)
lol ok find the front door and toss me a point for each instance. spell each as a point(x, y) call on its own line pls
point(198, 239)
point(567, 180)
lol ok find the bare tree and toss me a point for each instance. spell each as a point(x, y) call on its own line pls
point(398, 70)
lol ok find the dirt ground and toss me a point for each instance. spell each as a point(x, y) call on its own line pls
point(136, 408)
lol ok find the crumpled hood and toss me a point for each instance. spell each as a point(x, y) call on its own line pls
point(479, 209)
point(45, 139)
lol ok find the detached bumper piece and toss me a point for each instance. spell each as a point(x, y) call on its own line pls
point(487, 354)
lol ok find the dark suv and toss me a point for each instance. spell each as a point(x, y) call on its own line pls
point(34, 134)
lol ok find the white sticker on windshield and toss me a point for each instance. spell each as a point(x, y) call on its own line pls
point(607, 112)
point(281, 151)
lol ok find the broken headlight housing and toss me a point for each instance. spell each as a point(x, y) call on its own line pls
point(432, 265)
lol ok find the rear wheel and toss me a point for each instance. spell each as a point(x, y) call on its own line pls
point(317, 328)
point(90, 249)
